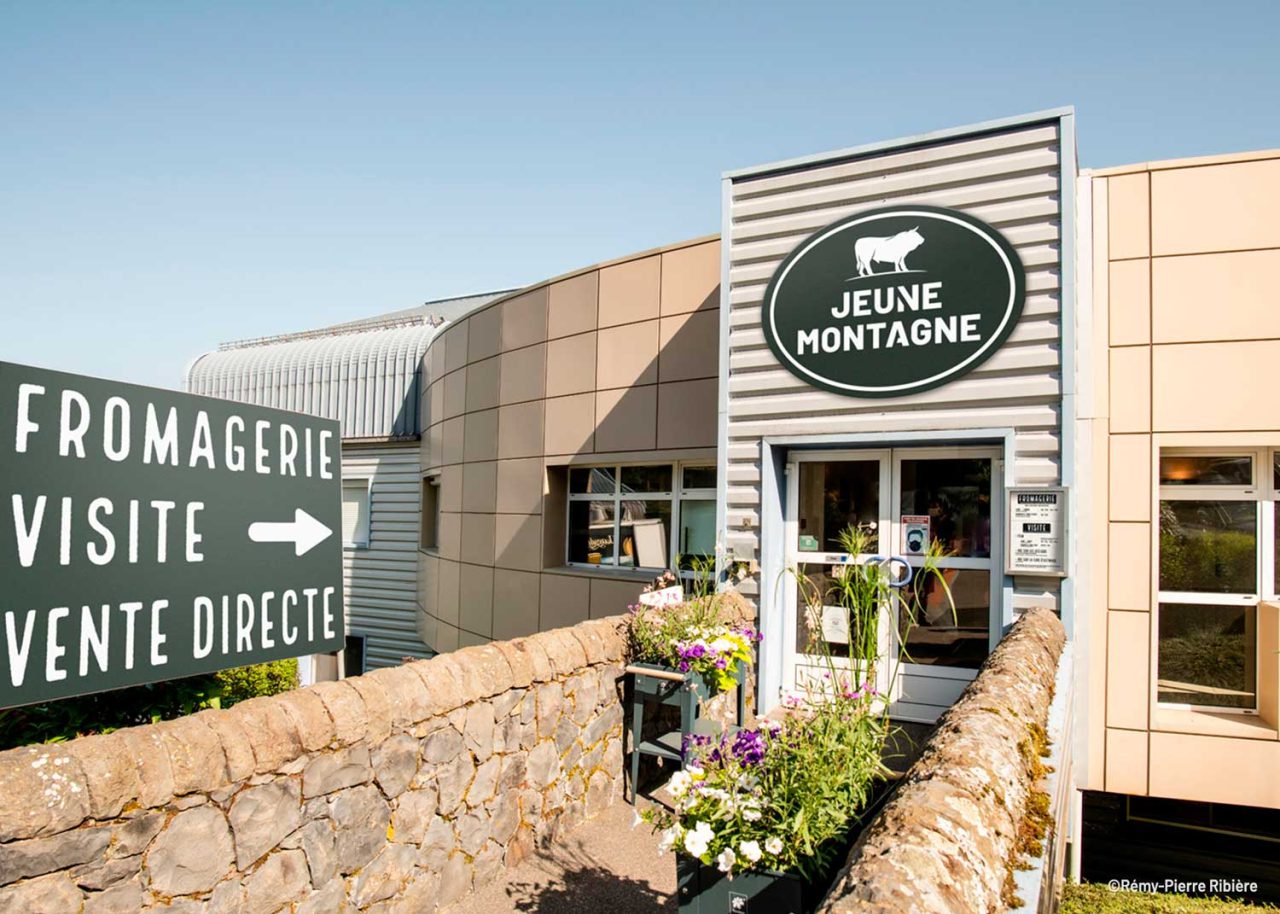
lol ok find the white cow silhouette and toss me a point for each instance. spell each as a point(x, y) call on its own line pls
point(892, 249)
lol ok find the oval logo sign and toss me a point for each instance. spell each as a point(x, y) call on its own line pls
point(893, 301)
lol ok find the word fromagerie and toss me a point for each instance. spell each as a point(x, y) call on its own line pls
point(147, 534)
point(861, 331)
point(83, 642)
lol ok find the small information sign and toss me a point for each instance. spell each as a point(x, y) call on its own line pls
point(1037, 531)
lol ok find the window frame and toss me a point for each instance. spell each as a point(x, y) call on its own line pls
point(1262, 492)
point(676, 496)
point(354, 481)
point(429, 481)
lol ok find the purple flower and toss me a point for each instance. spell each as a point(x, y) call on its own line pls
point(684, 666)
point(749, 747)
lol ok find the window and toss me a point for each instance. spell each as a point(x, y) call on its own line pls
point(641, 516)
point(355, 513)
point(355, 656)
point(428, 537)
point(1216, 560)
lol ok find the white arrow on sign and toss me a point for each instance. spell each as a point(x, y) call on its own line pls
point(304, 531)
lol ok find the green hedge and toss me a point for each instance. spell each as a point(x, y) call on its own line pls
point(58, 721)
point(1099, 899)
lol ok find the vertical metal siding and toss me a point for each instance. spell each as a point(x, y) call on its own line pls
point(1010, 179)
point(382, 581)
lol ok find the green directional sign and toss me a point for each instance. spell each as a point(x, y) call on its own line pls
point(893, 301)
point(149, 535)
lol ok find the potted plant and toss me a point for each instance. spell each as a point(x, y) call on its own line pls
point(762, 818)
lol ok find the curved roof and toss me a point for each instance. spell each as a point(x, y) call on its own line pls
point(367, 374)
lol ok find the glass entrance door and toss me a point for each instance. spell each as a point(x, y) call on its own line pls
point(900, 501)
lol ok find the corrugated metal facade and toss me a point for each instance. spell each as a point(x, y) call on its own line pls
point(381, 581)
point(1010, 178)
point(367, 380)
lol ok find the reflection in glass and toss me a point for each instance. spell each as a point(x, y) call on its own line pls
point(939, 637)
point(593, 480)
point(697, 530)
point(1205, 470)
point(591, 532)
point(956, 494)
point(1207, 655)
point(645, 533)
point(699, 477)
point(646, 479)
point(1208, 546)
point(834, 496)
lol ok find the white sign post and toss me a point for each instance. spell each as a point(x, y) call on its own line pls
point(1037, 531)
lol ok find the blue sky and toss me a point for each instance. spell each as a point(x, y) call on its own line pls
point(177, 174)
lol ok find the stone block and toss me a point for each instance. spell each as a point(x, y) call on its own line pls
point(484, 783)
point(543, 671)
point(504, 815)
point(237, 747)
point(311, 718)
point(377, 705)
point(262, 816)
point(385, 876)
point(442, 682)
point(111, 774)
point(505, 703)
point(123, 898)
point(331, 899)
point(38, 856)
point(455, 879)
point(97, 876)
point(360, 817)
point(135, 835)
point(518, 661)
point(472, 831)
point(53, 894)
point(195, 755)
point(395, 762)
point(442, 746)
point(544, 764)
point(280, 880)
point(50, 774)
point(317, 842)
point(489, 863)
point(452, 780)
point(477, 733)
point(346, 709)
point(275, 739)
point(512, 775)
point(336, 770)
point(192, 854)
point(413, 813)
point(470, 688)
point(410, 700)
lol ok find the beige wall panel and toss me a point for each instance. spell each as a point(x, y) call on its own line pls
point(449, 538)
point(629, 291)
point(480, 435)
point(520, 430)
point(627, 356)
point(1094, 541)
point(1130, 406)
point(571, 424)
point(524, 374)
point(479, 486)
point(1130, 470)
point(477, 539)
point(518, 541)
point(1129, 302)
point(573, 305)
point(455, 394)
point(691, 278)
point(524, 319)
point(471, 639)
point(1128, 676)
point(446, 637)
point(1215, 386)
point(1128, 211)
point(515, 603)
point(687, 414)
point(1129, 566)
point(1126, 762)
point(432, 450)
point(627, 420)
point(1214, 769)
point(447, 601)
point(520, 486)
point(571, 365)
point(553, 518)
point(1216, 297)
point(436, 402)
point(475, 599)
point(455, 345)
point(565, 601)
point(451, 488)
point(688, 346)
point(484, 334)
point(454, 431)
point(482, 384)
point(1227, 207)
point(611, 597)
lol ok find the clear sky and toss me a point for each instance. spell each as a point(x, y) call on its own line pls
point(173, 175)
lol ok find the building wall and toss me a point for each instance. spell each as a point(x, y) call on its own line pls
point(615, 362)
point(1188, 334)
point(381, 580)
point(1010, 176)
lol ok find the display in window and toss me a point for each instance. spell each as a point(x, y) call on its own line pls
point(645, 533)
point(591, 532)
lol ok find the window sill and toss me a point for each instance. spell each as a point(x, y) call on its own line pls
point(617, 574)
point(1212, 723)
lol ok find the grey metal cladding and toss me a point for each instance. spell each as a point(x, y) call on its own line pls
point(1009, 176)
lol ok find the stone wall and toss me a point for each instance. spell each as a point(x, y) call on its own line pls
point(945, 842)
point(393, 791)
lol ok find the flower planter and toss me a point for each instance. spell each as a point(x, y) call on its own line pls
point(667, 687)
point(704, 889)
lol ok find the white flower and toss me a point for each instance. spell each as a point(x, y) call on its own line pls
point(668, 838)
point(750, 850)
point(698, 839)
point(751, 815)
point(726, 860)
point(679, 784)
point(773, 846)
